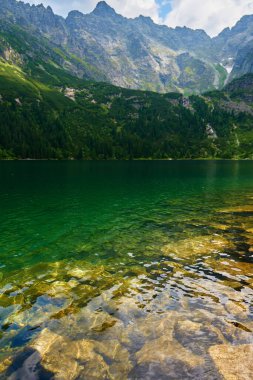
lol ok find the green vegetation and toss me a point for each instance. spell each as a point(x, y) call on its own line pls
point(222, 75)
point(45, 112)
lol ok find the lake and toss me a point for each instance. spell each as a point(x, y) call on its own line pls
point(126, 270)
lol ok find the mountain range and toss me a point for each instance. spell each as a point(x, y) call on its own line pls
point(101, 86)
point(137, 53)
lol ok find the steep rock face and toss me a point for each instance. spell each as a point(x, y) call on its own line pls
point(132, 53)
point(137, 53)
point(234, 47)
point(229, 41)
point(38, 56)
point(38, 17)
point(243, 63)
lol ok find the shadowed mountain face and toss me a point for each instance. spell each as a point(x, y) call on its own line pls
point(235, 47)
point(137, 53)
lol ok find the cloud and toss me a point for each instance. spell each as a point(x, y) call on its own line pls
point(128, 8)
point(211, 15)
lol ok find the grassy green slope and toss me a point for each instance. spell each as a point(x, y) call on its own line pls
point(41, 59)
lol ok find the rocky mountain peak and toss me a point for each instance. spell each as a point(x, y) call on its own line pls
point(40, 6)
point(225, 33)
point(103, 9)
point(138, 53)
point(145, 19)
point(74, 15)
point(49, 9)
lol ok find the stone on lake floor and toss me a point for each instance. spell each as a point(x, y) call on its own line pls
point(5, 364)
point(43, 309)
point(165, 349)
point(85, 359)
point(66, 359)
point(233, 271)
point(197, 245)
point(222, 227)
point(161, 345)
point(233, 362)
point(87, 274)
point(238, 209)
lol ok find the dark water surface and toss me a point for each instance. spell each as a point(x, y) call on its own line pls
point(126, 270)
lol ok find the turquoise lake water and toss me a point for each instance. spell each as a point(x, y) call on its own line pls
point(124, 270)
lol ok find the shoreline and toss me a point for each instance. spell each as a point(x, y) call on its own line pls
point(124, 160)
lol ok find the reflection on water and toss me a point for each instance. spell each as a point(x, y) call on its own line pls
point(126, 270)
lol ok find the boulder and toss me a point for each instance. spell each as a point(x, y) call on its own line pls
point(233, 362)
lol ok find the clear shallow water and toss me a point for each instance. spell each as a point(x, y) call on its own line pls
point(125, 270)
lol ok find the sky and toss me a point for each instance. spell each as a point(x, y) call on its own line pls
point(211, 15)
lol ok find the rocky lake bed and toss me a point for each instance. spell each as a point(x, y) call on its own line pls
point(167, 294)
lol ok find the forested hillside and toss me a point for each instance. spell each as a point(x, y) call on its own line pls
point(47, 112)
point(100, 121)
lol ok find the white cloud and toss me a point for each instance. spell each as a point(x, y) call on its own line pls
point(210, 15)
point(128, 8)
point(133, 8)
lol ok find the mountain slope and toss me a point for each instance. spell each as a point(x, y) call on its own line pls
point(45, 112)
point(234, 47)
point(137, 53)
point(50, 107)
point(37, 55)
point(132, 53)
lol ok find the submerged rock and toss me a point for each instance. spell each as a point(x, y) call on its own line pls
point(161, 345)
point(43, 309)
point(238, 209)
point(197, 245)
point(164, 349)
point(87, 273)
point(67, 359)
point(5, 364)
point(233, 362)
